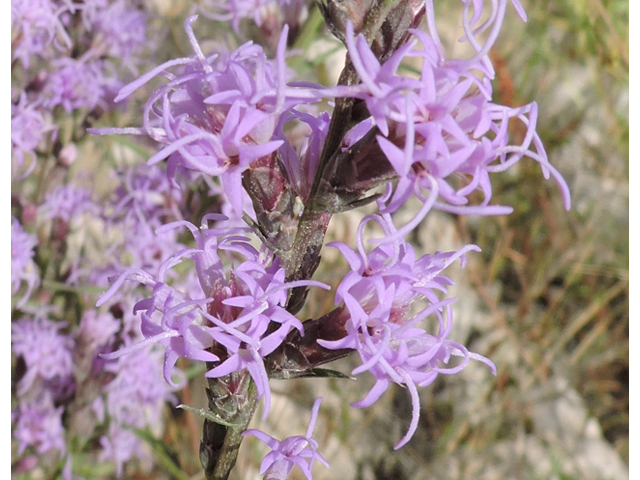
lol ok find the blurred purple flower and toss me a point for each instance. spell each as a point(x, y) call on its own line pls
point(134, 398)
point(68, 202)
point(23, 268)
point(285, 454)
point(287, 11)
point(76, 84)
point(28, 128)
point(39, 425)
point(118, 30)
point(47, 354)
point(97, 330)
point(35, 25)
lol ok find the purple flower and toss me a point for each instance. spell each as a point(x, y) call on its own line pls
point(46, 352)
point(296, 450)
point(68, 202)
point(217, 114)
point(23, 268)
point(97, 330)
point(179, 327)
point(118, 30)
point(39, 425)
point(382, 294)
point(232, 312)
point(134, 398)
point(36, 24)
point(243, 310)
point(442, 126)
point(77, 84)
point(261, 11)
point(301, 155)
point(28, 129)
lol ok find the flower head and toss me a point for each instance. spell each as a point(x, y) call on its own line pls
point(443, 127)
point(29, 124)
point(46, 352)
point(39, 425)
point(229, 321)
point(35, 25)
point(134, 398)
point(381, 294)
point(68, 202)
point(217, 114)
point(285, 454)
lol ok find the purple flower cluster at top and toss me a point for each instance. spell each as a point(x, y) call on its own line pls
point(219, 113)
point(442, 126)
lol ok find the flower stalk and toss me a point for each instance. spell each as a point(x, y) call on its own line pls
point(282, 167)
point(233, 399)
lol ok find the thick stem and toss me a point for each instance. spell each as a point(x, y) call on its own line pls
point(233, 401)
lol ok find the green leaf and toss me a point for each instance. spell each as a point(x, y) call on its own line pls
point(209, 415)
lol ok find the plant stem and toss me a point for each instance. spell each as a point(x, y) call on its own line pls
point(233, 400)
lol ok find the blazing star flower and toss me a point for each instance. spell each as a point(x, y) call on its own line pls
point(35, 25)
point(285, 454)
point(23, 268)
point(217, 114)
point(234, 310)
point(258, 10)
point(443, 126)
point(134, 398)
point(97, 330)
point(76, 84)
point(118, 31)
point(378, 293)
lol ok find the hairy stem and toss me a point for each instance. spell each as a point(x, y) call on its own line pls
point(232, 401)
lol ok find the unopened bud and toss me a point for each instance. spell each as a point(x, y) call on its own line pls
point(68, 155)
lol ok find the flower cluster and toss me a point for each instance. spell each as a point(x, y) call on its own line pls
point(252, 154)
point(442, 126)
point(269, 14)
point(230, 313)
point(378, 293)
point(70, 56)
